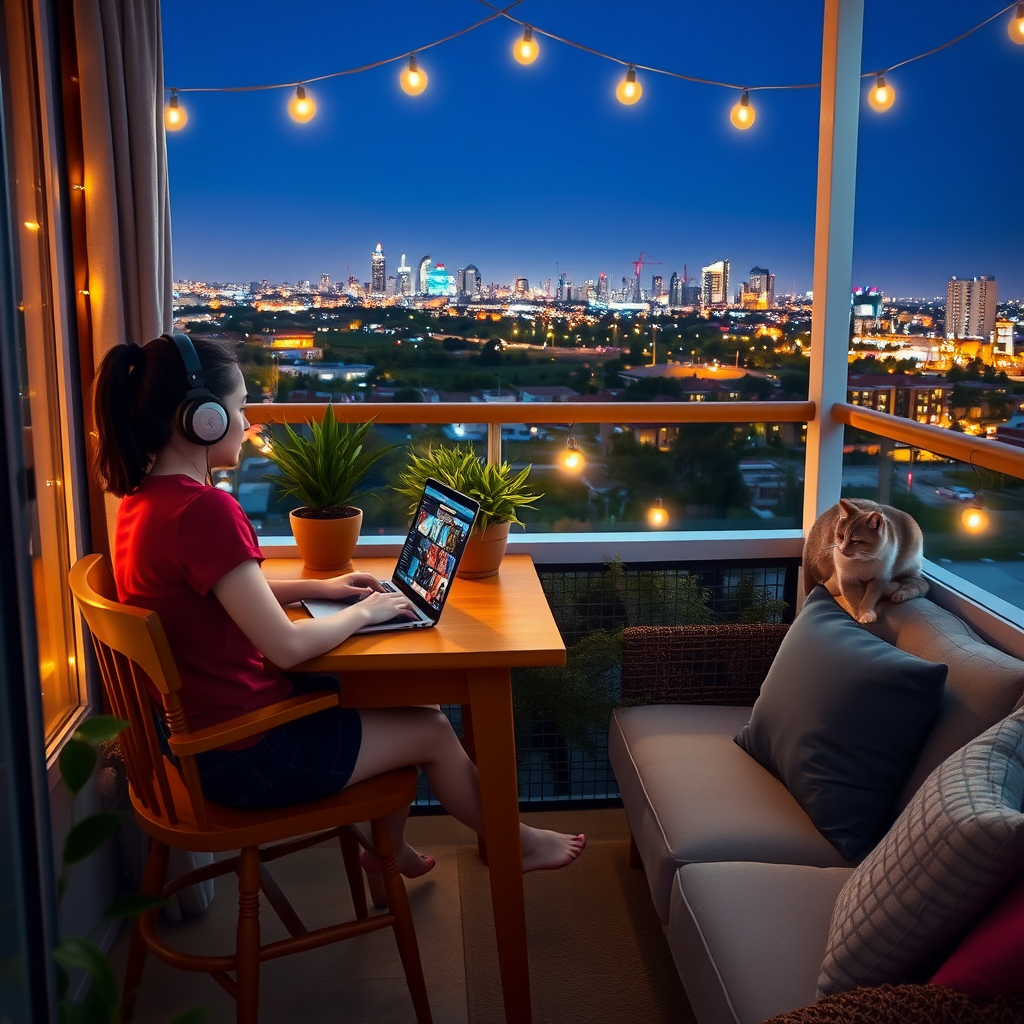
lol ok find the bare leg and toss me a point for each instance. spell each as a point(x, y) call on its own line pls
point(393, 737)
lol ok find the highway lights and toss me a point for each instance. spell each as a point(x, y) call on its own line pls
point(629, 90)
point(742, 114)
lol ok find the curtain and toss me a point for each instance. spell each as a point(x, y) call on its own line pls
point(128, 216)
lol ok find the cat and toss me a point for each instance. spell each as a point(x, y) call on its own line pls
point(865, 552)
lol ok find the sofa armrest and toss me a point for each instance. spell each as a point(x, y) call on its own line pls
point(719, 664)
point(906, 1004)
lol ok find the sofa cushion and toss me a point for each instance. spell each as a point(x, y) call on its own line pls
point(958, 845)
point(990, 959)
point(840, 719)
point(691, 795)
point(983, 684)
point(747, 939)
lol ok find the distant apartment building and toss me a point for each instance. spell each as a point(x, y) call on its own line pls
point(971, 307)
point(325, 283)
point(468, 283)
point(403, 282)
point(422, 269)
point(923, 399)
point(715, 284)
point(675, 290)
point(1004, 337)
point(657, 286)
point(378, 271)
point(521, 287)
point(762, 285)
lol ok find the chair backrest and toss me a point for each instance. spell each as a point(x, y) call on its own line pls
point(132, 650)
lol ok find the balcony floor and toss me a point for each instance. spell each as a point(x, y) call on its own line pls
point(361, 979)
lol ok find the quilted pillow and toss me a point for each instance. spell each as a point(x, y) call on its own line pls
point(955, 849)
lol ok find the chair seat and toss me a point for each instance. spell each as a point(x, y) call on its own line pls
point(231, 828)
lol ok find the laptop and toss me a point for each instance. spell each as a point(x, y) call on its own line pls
point(432, 551)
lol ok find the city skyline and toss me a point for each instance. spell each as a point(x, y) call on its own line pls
point(529, 171)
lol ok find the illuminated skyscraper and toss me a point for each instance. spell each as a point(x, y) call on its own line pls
point(971, 307)
point(440, 282)
point(675, 290)
point(763, 283)
point(469, 283)
point(421, 275)
point(602, 287)
point(325, 283)
point(657, 286)
point(403, 284)
point(1004, 337)
point(715, 284)
point(378, 272)
point(521, 288)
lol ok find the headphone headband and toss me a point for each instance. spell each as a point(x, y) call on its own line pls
point(202, 416)
point(193, 368)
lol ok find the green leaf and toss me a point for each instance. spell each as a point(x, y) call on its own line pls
point(77, 760)
point(89, 835)
point(196, 1016)
point(133, 904)
point(83, 955)
point(100, 728)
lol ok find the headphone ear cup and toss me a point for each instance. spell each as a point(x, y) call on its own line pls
point(204, 421)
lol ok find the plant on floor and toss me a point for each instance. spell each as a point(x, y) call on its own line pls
point(501, 491)
point(100, 1004)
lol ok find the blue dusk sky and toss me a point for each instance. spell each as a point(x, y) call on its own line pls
point(527, 170)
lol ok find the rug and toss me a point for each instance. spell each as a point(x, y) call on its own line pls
point(597, 950)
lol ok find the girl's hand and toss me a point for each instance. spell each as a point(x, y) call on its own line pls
point(353, 584)
point(379, 607)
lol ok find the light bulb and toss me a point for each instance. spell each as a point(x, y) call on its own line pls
point(526, 50)
point(301, 107)
point(413, 79)
point(881, 96)
point(629, 90)
point(657, 515)
point(572, 459)
point(175, 117)
point(1016, 26)
point(975, 519)
point(742, 114)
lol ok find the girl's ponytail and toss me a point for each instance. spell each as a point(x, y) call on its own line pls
point(120, 462)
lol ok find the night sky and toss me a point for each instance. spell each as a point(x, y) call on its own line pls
point(517, 169)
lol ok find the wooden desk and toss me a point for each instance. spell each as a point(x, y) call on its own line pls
point(488, 628)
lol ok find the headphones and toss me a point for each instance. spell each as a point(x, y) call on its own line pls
point(202, 416)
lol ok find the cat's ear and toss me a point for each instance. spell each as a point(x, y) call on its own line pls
point(875, 521)
point(845, 509)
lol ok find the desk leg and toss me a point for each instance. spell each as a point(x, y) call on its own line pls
point(490, 691)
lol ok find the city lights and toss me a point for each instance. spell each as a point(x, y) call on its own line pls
point(526, 50)
point(742, 114)
point(881, 96)
point(413, 79)
point(301, 107)
point(1016, 26)
point(175, 116)
point(657, 515)
point(629, 90)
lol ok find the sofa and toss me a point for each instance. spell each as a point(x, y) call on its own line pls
point(742, 880)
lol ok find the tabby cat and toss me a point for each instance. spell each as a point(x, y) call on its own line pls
point(865, 552)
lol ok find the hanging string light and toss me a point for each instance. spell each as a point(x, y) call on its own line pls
point(657, 515)
point(175, 116)
point(572, 459)
point(526, 50)
point(881, 96)
point(742, 114)
point(1016, 26)
point(974, 518)
point(301, 107)
point(413, 79)
point(629, 90)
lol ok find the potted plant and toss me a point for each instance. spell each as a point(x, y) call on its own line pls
point(500, 491)
point(322, 472)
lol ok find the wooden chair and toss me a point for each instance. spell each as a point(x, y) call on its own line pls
point(169, 805)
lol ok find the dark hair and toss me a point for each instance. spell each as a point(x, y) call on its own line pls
point(136, 397)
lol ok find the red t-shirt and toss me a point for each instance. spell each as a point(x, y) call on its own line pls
point(175, 539)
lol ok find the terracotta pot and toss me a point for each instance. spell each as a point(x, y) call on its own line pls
point(484, 552)
point(327, 544)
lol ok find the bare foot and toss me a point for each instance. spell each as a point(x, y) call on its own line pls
point(544, 850)
point(410, 863)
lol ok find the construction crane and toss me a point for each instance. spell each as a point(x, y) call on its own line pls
point(638, 266)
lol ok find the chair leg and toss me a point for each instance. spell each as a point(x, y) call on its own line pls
point(405, 932)
point(247, 943)
point(350, 853)
point(153, 877)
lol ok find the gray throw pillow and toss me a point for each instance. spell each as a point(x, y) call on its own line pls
point(840, 720)
point(950, 855)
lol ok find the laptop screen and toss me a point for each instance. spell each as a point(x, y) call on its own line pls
point(434, 545)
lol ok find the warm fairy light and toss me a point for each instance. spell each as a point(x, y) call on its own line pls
point(657, 515)
point(413, 79)
point(881, 96)
point(974, 519)
point(175, 116)
point(301, 107)
point(742, 114)
point(572, 459)
point(629, 90)
point(32, 225)
point(526, 50)
point(1016, 26)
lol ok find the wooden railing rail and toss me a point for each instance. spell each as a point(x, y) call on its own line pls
point(994, 455)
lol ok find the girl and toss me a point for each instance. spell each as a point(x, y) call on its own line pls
point(185, 550)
